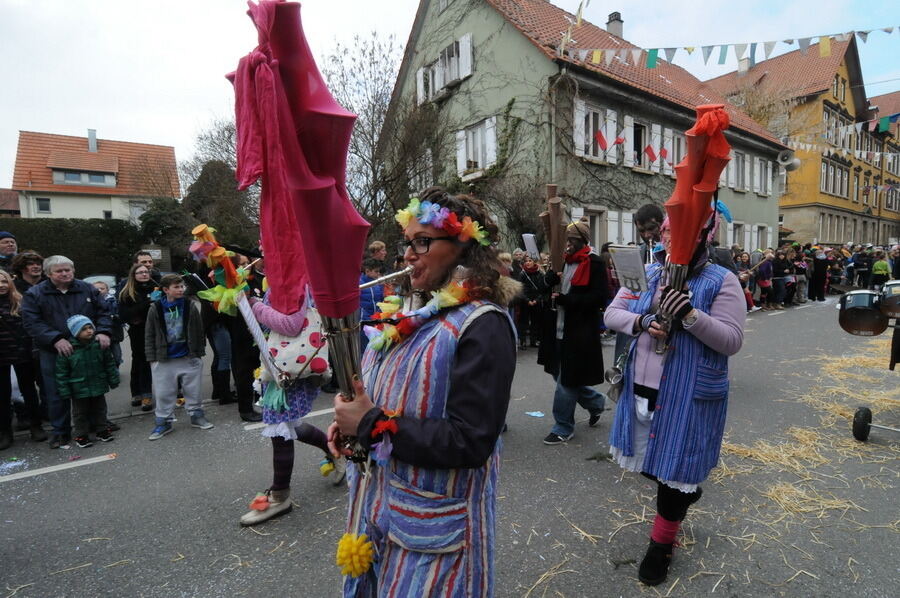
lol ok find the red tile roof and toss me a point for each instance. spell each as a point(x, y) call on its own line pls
point(888, 104)
point(544, 24)
point(795, 73)
point(143, 170)
point(9, 201)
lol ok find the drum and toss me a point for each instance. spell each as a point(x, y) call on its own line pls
point(890, 299)
point(860, 314)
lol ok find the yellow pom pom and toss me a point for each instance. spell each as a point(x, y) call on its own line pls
point(326, 467)
point(354, 554)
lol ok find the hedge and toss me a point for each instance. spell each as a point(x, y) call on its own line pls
point(97, 246)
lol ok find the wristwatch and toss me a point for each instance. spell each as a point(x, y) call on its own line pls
point(689, 320)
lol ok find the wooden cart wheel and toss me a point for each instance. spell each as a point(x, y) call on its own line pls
point(861, 420)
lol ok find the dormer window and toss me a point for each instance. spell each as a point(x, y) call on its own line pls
point(92, 179)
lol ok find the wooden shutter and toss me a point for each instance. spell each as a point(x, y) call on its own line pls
point(656, 144)
point(670, 156)
point(729, 235)
point(420, 86)
point(578, 132)
point(490, 141)
point(747, 236)
point(628, 133)
point(466, 61)
point(747, 172)
point(612, 150)
point(757, 173)
point(769, 236)
point(731, 173)
point(460, 151)
point(612, 227)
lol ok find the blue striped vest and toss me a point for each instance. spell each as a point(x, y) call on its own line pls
point(687, 427)
point(432, 528)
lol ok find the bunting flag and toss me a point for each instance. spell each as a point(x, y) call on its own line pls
point(650, 153)
point(595, 55)
point(619, 140)
point(601, 140)
point(664, 154)
point(884, 123)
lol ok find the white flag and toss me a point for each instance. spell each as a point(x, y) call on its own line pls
point(768, 47)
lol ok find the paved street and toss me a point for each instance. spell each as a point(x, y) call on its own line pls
point(796, 508)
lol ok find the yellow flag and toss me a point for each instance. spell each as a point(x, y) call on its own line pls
point(596, 56)
point(824, 46)
point(689, 49)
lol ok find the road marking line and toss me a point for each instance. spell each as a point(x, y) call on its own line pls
point(60, 467)
point(776, 313)
point(259, 425)
point(803, 307)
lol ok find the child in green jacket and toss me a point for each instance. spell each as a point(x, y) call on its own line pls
point(85, 376)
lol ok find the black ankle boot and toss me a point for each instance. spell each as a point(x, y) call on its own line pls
point(655, 566)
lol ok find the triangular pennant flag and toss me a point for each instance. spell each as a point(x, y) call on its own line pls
point(689, 49)
point(739, 50)
point(608, 57)
point(872, 125)
point(723, 54)
point(601, 140)
point(859, 127)
point(623, 55)
point(789, 42)
point(768, 47)
point(888, 30)
point(804, 44)
point(664, 154)
point(824, 46)
point(650, 153)
point(636, 56)
point(862, 35)
point(595, 56)
point(707, 50)
point(582, 55)
point(670, 54)
point(651, 58)
point(619, 140)
point(884, 123)
point(842, 37)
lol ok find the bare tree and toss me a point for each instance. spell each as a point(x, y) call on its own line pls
point(361, 77)
point(218, 141)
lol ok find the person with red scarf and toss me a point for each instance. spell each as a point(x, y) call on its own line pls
point(570, 348)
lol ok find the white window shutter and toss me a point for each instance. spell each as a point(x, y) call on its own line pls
point(578, 132)
point(490, 141)
point(612, 150)
point(769, 236)
point(460, 152)
point(757, 173)
point(747, 237)
point(628, 133)
point(729, 237)
point(627, 227)
point(420, 86)
point(438, 73)
point(656, 144)
point(723, 178)
point(667, 144)
point(754, 235)
point(771, 177)
point(612, 227)
point(465, 56)
point(747, 173)
point(731, 172)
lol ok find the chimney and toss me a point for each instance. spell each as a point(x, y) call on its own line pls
point(92, 141)
point(614, 24)
point(743, 66)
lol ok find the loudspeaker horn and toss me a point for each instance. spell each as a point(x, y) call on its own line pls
point(787, 160)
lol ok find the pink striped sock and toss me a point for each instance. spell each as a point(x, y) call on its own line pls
point(664, 531)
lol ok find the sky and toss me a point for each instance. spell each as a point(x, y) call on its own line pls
point(152, 71)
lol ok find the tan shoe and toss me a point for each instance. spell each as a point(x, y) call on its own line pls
point(279, 503)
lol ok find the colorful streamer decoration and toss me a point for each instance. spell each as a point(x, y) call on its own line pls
point(229, 282)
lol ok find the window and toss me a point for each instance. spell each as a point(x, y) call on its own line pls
point(443, 4)
point(866, 191)
point(829, 183)
point(449, 62)
point(834, 86)
point(107, 214)
point(679, 148)
point(72, 177)
point(738, 237)
point(843, 89)
point(845, 176)
point(761, 234)
point(97, 178)
point(476, 147)
point(740, 170)
point(856, 188)
point(594, 121)
point(43, 205)
point(823, 177)
point(765, 176)
point(452, 64)
point(641, 139)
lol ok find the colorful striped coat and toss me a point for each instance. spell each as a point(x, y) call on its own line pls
point(433, 529)
point(686, 432)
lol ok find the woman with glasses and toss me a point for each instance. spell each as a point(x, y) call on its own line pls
point(430, 407)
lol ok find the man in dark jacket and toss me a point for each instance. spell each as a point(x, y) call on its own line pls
point(45, 308)
point(570, 348)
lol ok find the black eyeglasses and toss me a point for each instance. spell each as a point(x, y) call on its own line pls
point(420, 245)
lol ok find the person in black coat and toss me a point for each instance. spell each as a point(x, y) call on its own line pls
point(570, 349)
point(536, 297)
